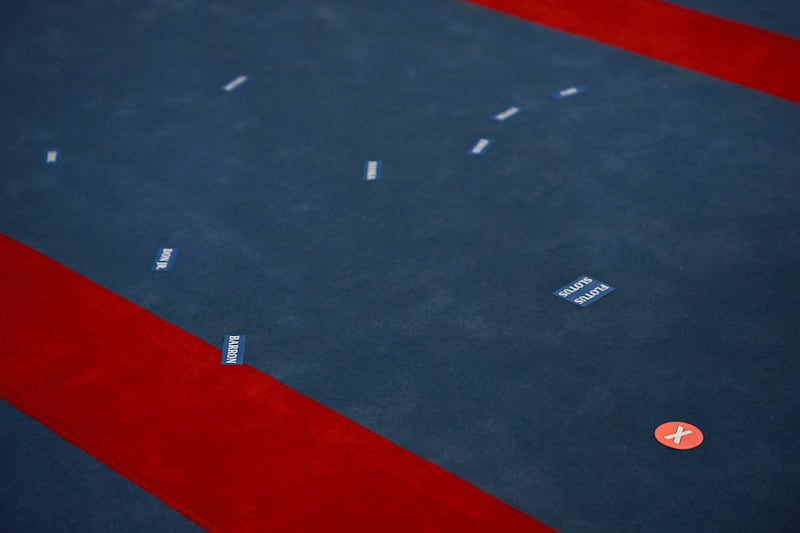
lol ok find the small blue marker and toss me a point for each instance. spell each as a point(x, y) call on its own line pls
point(583, 291)
point(165, 258)
point(233, 350)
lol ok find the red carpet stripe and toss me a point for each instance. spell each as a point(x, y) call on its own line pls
point(229, 447)
point(734, 52)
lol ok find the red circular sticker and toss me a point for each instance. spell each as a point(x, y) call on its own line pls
point(679, 435)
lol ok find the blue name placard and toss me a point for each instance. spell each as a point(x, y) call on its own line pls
point(233, 350)
point(165, 258)
point(584, 291)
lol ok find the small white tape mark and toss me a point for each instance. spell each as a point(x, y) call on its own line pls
point(372, 170)
point(235, 83)
point(480, 146)
point(508, 113)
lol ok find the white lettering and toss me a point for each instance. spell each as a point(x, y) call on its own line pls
point(575, 287)
point(591, 294)
point(233, 349)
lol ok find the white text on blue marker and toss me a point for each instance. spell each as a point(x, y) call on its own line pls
point(576, 286)
point(591, 294)
point(233, 350)
point(164, 259)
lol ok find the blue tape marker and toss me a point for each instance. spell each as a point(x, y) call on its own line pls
point(233, 350)
point(372, 170)
point(508, 113)
point(52, 157)
point(566, 93)
point(480, 147)
point(584, 291)
point(165, 258)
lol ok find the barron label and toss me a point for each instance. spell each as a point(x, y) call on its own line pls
point(233, 350)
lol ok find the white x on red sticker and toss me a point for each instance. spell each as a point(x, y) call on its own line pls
point(679, 435)
point(676, 437)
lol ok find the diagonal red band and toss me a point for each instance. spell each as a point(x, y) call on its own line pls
point(734, 52)
point(229, 447)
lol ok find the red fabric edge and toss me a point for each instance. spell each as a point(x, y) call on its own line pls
point(738, 53)
point(229, 447)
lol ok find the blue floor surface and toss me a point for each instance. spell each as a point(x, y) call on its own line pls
point(420, 305)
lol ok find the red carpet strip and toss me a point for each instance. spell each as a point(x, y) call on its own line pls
point(734, 52)
point(230, 447)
